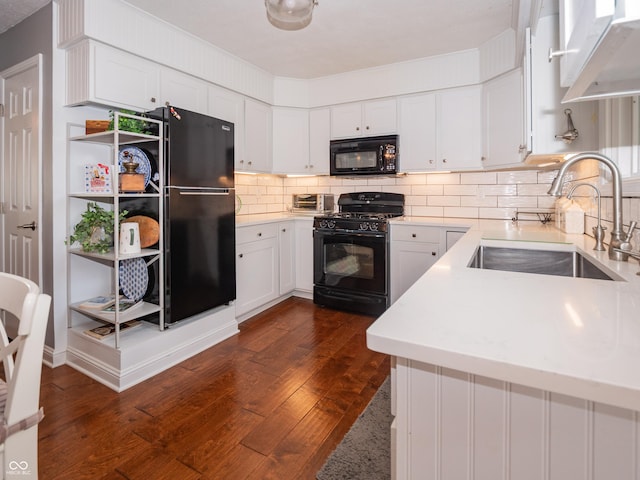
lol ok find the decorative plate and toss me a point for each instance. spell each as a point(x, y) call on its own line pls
point(134, 277)
point(138, 156)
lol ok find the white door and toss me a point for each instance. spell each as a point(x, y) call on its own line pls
point(21, 185)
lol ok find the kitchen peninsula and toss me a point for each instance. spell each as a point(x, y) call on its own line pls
point(515, 375)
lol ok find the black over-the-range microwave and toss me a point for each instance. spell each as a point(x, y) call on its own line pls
point(364, 156)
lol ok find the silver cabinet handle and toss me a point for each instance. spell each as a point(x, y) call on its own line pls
point(33, 225)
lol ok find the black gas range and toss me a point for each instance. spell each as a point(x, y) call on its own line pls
point(351, 252)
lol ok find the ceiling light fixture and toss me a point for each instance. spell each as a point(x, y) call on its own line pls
point(290, 14)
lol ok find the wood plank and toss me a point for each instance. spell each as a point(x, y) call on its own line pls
point(270, 402)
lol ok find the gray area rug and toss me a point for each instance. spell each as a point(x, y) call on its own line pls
point(365, 451)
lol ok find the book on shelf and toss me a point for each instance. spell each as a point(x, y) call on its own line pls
point(124, 305)
point(105, 331)
point(99, 302)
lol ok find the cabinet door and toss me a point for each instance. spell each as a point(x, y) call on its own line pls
point(409, 261)
point(304, 254)
point(257, 274)
point(286, 250)
point(346, 120)
point(417, 150)
point(319, 138)
point(290, 140)
point(503, 125)
point(582, 23)
point(183, 91)
point(123, 80)
point(257, 140)
point(380, 117)
point(459, 128)
point(227, 105)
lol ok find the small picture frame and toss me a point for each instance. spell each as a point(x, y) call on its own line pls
point(98, 178)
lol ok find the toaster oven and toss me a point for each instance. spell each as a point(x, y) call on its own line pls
point(312, 203)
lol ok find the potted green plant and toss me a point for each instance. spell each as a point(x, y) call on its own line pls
point(127, 124)
point(94, 232)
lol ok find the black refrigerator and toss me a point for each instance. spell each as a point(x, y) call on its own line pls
point(199, 213)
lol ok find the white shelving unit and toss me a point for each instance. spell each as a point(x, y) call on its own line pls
point(93, 274)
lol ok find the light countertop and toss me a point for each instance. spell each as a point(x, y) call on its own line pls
point(575, 336)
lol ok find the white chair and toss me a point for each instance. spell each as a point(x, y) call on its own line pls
point(20, 412)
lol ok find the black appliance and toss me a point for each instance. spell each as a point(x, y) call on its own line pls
point(364, 156)
point(199, 213)
point(351, 252)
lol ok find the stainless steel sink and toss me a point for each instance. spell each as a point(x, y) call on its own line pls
point(544, 262)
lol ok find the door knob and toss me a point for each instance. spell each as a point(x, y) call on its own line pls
point(31, 225)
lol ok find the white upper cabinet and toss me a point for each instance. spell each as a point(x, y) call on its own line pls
point(599, 42)
point(319, 138)
point(417, 133)
point(441, 131)
point(459, 121)
point(257, 138)
point(183, 91)
point(364, 119)
point(546, 118)
point(290, 140)
point(103, 75)
point(503, 106)
point(229, 106)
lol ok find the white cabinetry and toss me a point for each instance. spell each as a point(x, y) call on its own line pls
point(257, 268)
point(183, 91)
point(543, 97)
point(227, 105)
point(600, 39)
point(286, 254)
point(503, 105)
point(378, 117)
point(304, 254)
point(104, 75)
point(441, 131)
point(319, 138)
point(290, 140)
point(257, 140)
point(136, 276)
point(414, 249)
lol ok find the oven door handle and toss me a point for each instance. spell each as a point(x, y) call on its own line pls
point(351, 234)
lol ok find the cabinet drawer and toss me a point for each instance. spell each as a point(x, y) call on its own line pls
point(256, 232)
point(411, 233)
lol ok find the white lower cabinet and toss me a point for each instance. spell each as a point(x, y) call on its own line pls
point(414, 249)
point(257, 267)
point(286, 251)
point(304, 254)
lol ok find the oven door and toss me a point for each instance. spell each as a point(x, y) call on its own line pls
point(350, 261)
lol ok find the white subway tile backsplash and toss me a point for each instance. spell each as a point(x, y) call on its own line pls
point(529, 202)
point(469, 201)
point(419, 211)
point(427, 190)
point(443, 178)
point(479, 178)
point(527, 189)
point(443, 201)
point(498, 190)
point(519, 176)
point(497, 213)
point(461, 212)
point(461, 190)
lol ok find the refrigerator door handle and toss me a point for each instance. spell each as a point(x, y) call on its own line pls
point(200, 192)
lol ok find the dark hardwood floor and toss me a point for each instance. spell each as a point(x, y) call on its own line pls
point(269, 403)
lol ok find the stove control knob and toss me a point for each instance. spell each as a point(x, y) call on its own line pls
point(323, 224)
point(374, 226)
point(364, 226)
point(331, 224)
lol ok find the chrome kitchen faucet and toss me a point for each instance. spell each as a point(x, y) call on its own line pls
point(618, 246)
